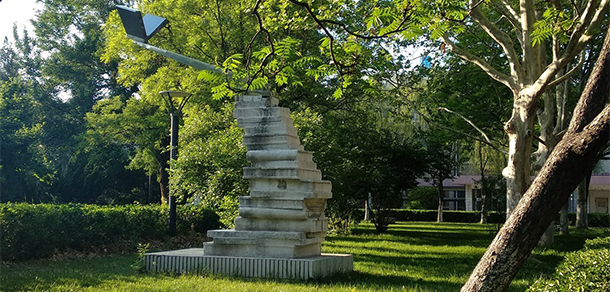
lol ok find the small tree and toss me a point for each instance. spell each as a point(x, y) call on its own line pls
point(443, 158)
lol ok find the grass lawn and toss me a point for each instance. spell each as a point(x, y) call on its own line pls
point(412, 256)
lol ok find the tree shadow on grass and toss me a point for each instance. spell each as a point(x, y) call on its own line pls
point(44, 274)
point(386, 282)
point(418, 237)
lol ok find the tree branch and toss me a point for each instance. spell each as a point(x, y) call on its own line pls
point(578, 40)
point(508, 12)
point(503, 40)
point(467, 121)
point(261, 29)
point(564, 77)
point(430, 121)
point(491, 71)
point(319, 22)
point(406, 15)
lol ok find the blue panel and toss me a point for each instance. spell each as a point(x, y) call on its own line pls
point(153, 23)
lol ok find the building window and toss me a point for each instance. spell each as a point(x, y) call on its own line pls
point(455, 200)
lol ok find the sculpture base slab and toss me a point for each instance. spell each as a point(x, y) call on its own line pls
point(192, 260)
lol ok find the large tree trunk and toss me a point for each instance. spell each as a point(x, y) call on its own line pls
point(573, 157)
point(582, 212)
point(520, 129)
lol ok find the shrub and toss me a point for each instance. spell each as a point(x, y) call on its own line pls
point(423, 198)
point(584, 270)
point(31, 231)
point(599, 220)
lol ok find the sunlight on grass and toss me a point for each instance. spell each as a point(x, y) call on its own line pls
point(412, 256)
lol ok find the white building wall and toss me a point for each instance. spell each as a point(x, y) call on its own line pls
point(469, 197)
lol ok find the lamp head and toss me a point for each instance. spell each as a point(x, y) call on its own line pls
point(140, 28)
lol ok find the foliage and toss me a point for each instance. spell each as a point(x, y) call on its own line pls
point(422, 198)
point(597, 220)
point(212, 155)
point(139, 264)
point(32, 231)
point(360, 159)
point(137, 127)
point(24, 169)
point(584, 270)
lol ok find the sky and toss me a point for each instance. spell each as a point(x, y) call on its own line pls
point(19, 11)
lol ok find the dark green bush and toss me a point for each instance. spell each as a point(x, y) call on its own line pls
point(595, 219)
point(599, 220)
point(422, 198)
point(31, 231)
point(584, 270)
point(448, 216)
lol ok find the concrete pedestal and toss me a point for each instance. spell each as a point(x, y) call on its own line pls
point(193, 260)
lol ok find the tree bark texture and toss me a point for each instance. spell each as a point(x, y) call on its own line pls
point(520, 129)
point(573, 157)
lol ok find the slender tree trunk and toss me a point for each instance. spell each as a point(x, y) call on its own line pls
point(163, 178)
point(482, 164)
point(546, 118)
point(582, 211)
point(573, 157)
point(564, 222)
point(441, 201)
point(547, 238)
point(164, 183)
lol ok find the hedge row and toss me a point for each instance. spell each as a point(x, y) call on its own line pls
point(448, 216)
point(595, 219)
point(584, 270)
point(31, 231)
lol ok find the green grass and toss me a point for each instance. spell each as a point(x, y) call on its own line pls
point(412, 256)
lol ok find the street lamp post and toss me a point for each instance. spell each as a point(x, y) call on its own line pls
point(169, 97)
point(140, 30)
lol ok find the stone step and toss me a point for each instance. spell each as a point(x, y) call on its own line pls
point(279, 214)
point(271, 129)
point(310, 225)
point(272, 213)
point(245, 100)
point(271, 185)
point(271, 141)
point(262, 251)
point(264, 238)
point(283, 154)
point(289, 194)
point(247, 113)
point(279, 203)
point(259, 121)
point(283, 203)
point(282, 173)
point(285, 164)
